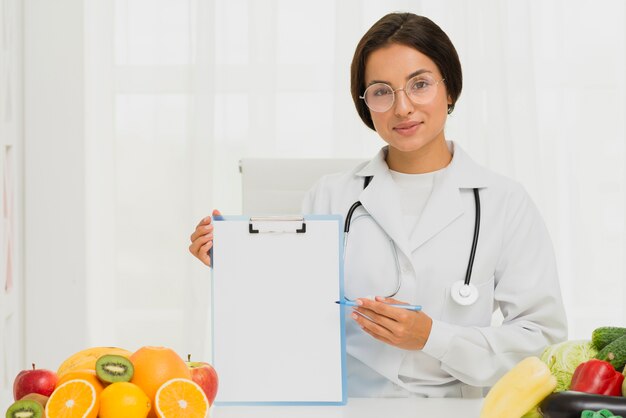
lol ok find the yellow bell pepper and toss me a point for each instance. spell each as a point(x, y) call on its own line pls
point(519, 390)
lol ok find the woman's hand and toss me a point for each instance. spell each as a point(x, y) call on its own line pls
point(202, 239)
point(399, 327)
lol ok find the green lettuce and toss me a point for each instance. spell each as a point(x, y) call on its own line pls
point(563, 358)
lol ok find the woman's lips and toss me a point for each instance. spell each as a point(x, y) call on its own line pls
point(407, 128)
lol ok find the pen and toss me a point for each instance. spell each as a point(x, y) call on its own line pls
point(407, 307)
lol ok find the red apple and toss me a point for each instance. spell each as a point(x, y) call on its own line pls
point(205, 376)
point(39, 381)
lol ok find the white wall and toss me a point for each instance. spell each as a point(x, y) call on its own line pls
point(11, 197)
point(54, 201)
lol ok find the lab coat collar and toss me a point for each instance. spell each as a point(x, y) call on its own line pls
point(462, 169)
point(382, 197)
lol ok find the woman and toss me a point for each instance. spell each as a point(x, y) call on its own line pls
point(424, 194)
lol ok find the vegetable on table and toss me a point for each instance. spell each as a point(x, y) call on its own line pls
point(614, 353)
point(603, 413)
point(570, 404)
point(564, 357)
point(603, 336)
point(597, 376)
point(520, 389)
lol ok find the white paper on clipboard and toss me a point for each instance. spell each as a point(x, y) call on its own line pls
point(278, 334)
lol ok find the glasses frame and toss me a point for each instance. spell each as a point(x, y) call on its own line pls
point(436, 85)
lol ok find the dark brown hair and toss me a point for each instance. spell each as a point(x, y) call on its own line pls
point(414, 31)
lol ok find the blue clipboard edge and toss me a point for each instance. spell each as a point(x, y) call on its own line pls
point(344, 378)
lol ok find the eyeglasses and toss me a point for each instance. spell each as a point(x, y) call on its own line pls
point(421, 89)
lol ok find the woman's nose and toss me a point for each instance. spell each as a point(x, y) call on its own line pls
point(403, 106)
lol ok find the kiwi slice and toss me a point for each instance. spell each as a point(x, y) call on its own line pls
point(25, 408)
point(112, 368)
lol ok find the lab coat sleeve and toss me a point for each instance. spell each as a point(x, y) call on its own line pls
point(529, 296)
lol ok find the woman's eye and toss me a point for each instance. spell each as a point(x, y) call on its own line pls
point(382, 91)
point(420, 84)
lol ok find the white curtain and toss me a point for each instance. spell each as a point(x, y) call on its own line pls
point(192, 87)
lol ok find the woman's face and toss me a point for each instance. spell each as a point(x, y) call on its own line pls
point(406, 126)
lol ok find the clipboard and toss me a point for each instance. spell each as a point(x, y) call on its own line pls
point(278, 335)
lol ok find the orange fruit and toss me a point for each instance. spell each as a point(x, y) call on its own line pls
point(86, 359)
point(73, 399)
point(155, 366)
point(123, 399)
point(85, 374)
point(181, 398)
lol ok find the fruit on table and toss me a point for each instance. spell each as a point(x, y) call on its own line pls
point(205, 376)
point(520, 389)
point(124, 400)
point(25, 408)
point(40, 381)
point(153, 367)
point(597, 376)
point(74, 398)
point(614, 353)
point(181, 398)
point(85, 374)
point(570, 404)
point(112, 368)
point(603, 336)
point(86, 359)
point(41, 399)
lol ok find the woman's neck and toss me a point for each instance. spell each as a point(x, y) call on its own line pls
point(432, 157)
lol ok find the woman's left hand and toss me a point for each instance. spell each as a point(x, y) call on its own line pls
point(399, 327)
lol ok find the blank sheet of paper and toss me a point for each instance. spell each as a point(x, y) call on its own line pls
point(277, 331)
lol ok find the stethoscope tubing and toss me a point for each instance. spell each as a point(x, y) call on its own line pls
point(470, 263)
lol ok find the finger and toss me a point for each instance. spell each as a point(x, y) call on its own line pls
point(216, 212)
point(204, 221)
point(378, 337)
point(199, 242)
point(390, 300)
point(203, 254)
point(201, 230)
point(381, 308)
point(372, 327)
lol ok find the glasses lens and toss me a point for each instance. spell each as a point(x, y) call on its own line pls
point(379, 97)
point(422, 89)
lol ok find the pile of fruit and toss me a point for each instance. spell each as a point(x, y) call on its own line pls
point(573, 379)
point(110, 382)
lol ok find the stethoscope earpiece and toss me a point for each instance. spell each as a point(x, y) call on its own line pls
point(464, 294)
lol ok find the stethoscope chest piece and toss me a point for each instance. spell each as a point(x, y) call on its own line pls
point(464, 294)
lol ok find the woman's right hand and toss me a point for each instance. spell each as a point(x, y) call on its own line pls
point(202, 239)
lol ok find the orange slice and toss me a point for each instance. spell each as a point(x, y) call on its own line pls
point(73, 399)
point(85, 374)
point(181, 398)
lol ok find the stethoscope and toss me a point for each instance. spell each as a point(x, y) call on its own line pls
point(462, 292)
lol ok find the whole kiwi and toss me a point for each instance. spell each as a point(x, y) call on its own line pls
point(37, 397)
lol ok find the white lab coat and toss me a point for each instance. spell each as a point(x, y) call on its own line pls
point(514, 270)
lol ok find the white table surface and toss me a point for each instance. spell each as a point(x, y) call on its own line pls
point(361, 408)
